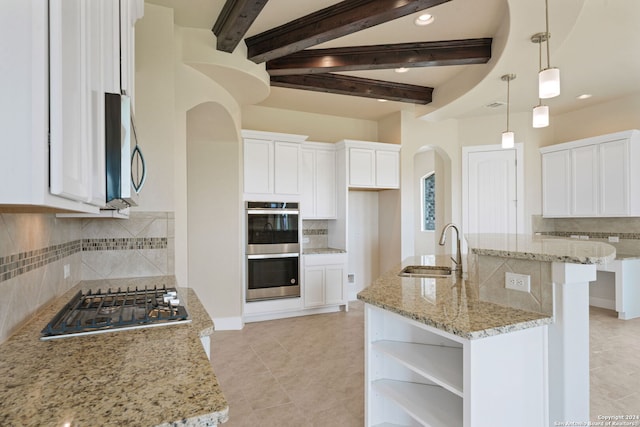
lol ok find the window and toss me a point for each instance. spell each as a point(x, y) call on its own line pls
point(429, 202)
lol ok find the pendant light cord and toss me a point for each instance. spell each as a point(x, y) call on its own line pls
point(546, 13)
point(508, 97)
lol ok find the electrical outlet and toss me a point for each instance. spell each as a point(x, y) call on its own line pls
point(67, 271)
point(517, 282)
point(614, 239)
point(305, 240)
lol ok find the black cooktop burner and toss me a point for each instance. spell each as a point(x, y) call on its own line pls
point(97, 312)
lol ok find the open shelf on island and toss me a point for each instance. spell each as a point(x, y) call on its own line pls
point(429, 405)
point(442, 365)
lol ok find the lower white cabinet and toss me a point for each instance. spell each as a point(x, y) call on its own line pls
point(417, 375)
point(324, 280)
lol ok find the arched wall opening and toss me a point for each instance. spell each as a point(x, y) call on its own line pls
point(214, 212)
point(431, 160)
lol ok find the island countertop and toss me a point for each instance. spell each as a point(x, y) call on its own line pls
point(541, 248)
point(147, 377)
point(450, 304)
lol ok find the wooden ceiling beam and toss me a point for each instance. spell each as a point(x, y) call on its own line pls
point(356, 86)
point(234, 21)
point(335, 21)
point(379, 57)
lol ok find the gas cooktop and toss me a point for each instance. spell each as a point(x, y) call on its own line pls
point(99, 312)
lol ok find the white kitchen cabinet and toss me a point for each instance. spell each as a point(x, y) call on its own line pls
point(272, 165)
point(318, 193)
point(555, 184)
point(372, 165)
point(614, 177)
point(584, 180)
point(324, 280)
point(419, 375)
point(592, 177)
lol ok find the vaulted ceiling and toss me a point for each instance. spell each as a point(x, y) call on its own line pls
point(344, 53)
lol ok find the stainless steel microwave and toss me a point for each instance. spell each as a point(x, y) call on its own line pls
point(122, 154)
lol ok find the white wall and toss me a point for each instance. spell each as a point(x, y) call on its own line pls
point(214, 214)
point(155, 106)
point(363, 239)
point(319, 127)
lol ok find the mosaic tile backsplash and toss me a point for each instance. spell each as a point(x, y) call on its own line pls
point(37, 251)
point(317, 233)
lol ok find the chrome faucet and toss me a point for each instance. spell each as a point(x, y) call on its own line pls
point(443, 240)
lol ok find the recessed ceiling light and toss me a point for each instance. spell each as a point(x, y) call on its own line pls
point(401, 70)
point(584, 96)
point(424, 19)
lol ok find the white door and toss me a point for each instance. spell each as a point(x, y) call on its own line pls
point(490, 190)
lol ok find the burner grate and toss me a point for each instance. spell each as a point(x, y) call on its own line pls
point(122, 309)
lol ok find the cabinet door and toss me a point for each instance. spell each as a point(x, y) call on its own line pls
point(584, 181)
point(334, 284)
point(314, 286)
point(555, 184)
point(362, 164)
point(307, 184)
point(387, 169)
point(287, 168)
point(258, 166)
point(614, 178)
point(325, 189)
point(69, 99)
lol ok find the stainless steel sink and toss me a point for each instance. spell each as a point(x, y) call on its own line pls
point(425, 271)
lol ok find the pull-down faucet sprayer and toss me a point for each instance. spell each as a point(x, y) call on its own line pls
point(443, 240)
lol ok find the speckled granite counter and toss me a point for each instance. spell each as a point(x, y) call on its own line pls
point(450, 304)
point(541, 248)
point(322, 251)
point(145, 377)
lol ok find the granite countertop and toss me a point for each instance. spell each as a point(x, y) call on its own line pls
point(541, 248)
point(450, 304)
point(146, 377)
point(322, 251)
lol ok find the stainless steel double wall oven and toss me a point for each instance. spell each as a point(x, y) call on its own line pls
point(273, 250)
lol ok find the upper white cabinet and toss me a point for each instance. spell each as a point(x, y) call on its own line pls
point(61, 56)
point(272, 164)
point(592, 177)
point(372, 165)
point(318, 195)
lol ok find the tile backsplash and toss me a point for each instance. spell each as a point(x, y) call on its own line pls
point(317, 233)
point(35, 248)
point(627, 230)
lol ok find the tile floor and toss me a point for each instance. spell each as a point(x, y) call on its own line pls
point(309, 371)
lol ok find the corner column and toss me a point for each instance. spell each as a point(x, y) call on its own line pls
point(569, 343)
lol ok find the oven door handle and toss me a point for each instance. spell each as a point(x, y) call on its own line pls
point(265, 256)
point(272, 212)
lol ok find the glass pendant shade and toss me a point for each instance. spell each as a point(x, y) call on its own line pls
point(549, 83)
point(541, 116)
point(507, 139)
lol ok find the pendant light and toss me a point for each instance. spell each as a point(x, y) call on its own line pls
point(549, 78)
point(540, 112)
point(508, 137)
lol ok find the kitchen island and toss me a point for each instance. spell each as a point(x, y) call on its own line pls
point(157, 376)
point(445, 351)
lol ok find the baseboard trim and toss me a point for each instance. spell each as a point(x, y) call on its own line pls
point(260, 317)
point(228, 323)
point(602, 303)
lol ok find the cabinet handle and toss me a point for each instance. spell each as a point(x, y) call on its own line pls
point(138, 180)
